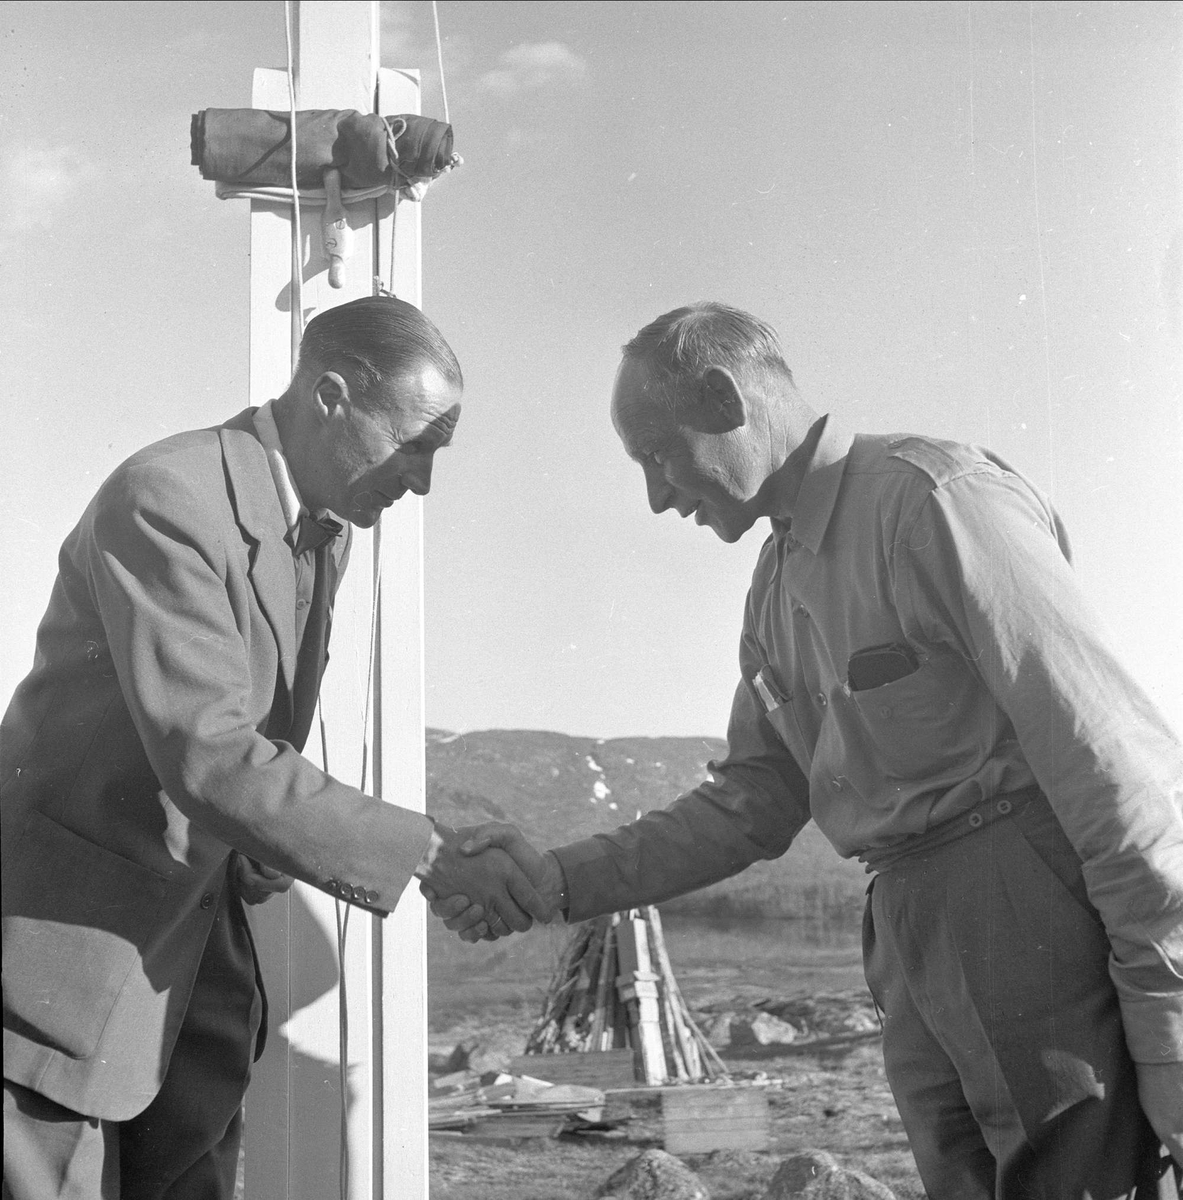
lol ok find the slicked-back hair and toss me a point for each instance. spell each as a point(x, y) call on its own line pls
point(681, 344)
point(376, 339)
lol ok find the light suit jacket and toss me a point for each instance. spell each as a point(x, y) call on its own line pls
point(134, 757)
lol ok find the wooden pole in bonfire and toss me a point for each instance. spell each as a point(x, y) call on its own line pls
point(618, 969)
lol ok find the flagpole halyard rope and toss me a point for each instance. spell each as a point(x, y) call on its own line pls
point(439, 54)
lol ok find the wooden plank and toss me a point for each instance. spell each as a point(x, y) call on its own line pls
point(637, 985)
point(698, 1120)
point(400, 942)
point(293, 1109)
point(514, 1125)
point(601, 1069)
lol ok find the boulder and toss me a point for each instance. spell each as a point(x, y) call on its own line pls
point(816, 1175)
point(763, 1029)
point(654, 1175)
point(458, 1059)
point(485, 1054)
point(716, 1028)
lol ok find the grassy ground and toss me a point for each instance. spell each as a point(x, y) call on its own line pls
point(836, 1101)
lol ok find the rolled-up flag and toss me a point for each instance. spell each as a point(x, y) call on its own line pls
point(252, 147)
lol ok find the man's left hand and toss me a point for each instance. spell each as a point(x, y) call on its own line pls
point(256, 882)
point(1160, 1089)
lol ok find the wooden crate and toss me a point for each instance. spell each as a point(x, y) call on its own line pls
point(601, 1069)
point(699, 1119)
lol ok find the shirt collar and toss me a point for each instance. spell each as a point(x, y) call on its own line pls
point(808, 513)
point(285, 485)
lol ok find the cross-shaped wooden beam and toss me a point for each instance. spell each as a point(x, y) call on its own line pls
point(293, 1106)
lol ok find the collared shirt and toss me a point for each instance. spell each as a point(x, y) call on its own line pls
point(293, 508)
point(946, 554)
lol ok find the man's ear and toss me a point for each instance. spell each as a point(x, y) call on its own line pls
point(721, 400)
point(330, 393)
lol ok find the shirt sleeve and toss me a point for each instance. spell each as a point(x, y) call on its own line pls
point(752, 806)
point(981, 569)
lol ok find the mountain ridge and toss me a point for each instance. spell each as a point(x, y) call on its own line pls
point(562, 787)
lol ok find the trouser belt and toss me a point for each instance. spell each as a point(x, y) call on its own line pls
point(973, 820)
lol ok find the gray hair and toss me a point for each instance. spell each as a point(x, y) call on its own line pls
point(375, 339)
point(681, 344)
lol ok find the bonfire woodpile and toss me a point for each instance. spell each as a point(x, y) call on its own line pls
point(614, 988)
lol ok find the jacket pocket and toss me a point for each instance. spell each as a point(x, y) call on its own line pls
point(76, 919)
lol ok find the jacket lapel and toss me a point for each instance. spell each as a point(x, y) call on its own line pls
point(256, 503)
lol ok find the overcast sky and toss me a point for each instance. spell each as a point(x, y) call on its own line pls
point(963, 218)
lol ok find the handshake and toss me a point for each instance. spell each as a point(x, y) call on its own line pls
point(487, 881)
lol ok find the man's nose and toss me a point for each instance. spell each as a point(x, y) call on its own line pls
point(418, 477)
point(661, 495)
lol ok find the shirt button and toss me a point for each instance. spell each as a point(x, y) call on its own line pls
point(821, 699)
point(1004, 806)
point(207, 900)
point(885, 711)
point(802, 611)
point(301, 603)
point(975, 820)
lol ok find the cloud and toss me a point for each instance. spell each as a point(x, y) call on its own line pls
point(397, 33)
point(408, 40)
point(533, 65)
point(39, 181)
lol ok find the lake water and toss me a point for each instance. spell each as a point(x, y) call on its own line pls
point(713, 960)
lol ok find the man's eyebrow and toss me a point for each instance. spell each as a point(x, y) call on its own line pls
point(444, 425)
point(644, 447)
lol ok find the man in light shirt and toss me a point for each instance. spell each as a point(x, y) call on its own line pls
point(921, 676)
point(151, 778)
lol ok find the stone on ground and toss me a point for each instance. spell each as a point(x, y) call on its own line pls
point(716, 1027)
point(484, 1054)
point(816, 1175)
point(762, 1029)
point(654, 1175)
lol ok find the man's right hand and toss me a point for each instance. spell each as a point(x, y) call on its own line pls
point(489, 878)
point(542, 869)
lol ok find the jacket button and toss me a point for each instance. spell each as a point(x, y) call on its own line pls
point(372, 897)
point(207, 900)
point(836, 784)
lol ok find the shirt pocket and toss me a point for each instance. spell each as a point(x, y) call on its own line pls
point(912, 729)
point(783, 720)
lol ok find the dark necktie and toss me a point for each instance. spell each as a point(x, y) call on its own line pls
point(316, 534)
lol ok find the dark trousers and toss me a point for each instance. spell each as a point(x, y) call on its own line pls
point(1002, 1036)
point(184, 1145)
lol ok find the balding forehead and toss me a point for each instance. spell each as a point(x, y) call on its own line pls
point(640, 415)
